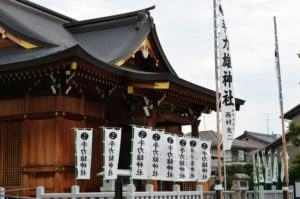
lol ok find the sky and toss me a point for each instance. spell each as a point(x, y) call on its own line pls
point(185, 30)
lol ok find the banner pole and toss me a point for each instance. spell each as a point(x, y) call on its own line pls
point(219, 196)
point(281, 110)
point(161, 184)
point(130, 180)
point(75, 141)
point(103, 158)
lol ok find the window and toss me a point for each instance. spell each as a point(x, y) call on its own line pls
point(10, 153)
point(241, 155)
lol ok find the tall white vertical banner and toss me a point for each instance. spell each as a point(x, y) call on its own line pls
point(170, 158)
point(275, 167)
point(282, 165)
point(254, 170)
point(226, 80)
point(269, 168)
point(194, 163)
point(140, 153)
point(84, 140)
point(260, 171)
point(156, 155)
point(183, 150)
point(112, 145)
point(205, 161)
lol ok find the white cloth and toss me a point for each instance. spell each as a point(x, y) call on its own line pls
point(112, 144)
point(84, 140)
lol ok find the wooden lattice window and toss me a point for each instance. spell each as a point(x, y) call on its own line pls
point(10, 153)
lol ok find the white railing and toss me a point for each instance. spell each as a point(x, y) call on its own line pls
point(130, 194)
point(212, 195)
point(273, 194)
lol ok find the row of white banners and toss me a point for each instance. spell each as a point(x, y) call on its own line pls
point(155, 155)
point(270, 176)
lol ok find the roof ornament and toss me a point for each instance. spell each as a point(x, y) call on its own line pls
point(143, 17)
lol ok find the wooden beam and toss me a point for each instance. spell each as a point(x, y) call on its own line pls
point(21, 42)
point(150, 85)
point(172, 117)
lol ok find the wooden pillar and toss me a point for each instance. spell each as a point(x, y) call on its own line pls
point(151, 123)
point(195, 128)
point(59, 147)
point(25, 144)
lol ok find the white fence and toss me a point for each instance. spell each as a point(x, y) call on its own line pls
point(130, 194)
point(269, 194)
point(150, 194)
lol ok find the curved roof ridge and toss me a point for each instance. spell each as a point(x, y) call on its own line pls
point(46, 10)
point(107, 18)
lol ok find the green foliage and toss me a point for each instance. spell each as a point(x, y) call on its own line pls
point(296, 167)
point(295, 128)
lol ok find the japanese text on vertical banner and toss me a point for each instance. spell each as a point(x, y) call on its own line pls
point(205, 161)
point(275, 167)
point(226, 80)
point(140, 153)
point(183, 158)
point(111, 152)
point(170, 158)
point(156, 154)
point(254, 170)
point(194, 166)
point(84, 152)
point(269, 168)
point(260, 171)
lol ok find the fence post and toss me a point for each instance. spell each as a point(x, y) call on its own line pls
point(39, 192)
point(2, 193)
point(199, 188)
point(291, 192)
point(150, 188)
point(176, 188)
point(130, 191)
point(261, 194)
point(74, 191)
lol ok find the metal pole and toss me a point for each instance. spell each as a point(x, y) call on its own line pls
point(281, 110)
point(75, 141)
point(131, 149)
point(103, 158)
point(217, 100)
point(224, 165)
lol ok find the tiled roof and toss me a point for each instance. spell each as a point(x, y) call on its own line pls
point(212, 136)
point(267, 138)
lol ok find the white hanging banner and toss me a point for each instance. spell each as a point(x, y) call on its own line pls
point(264, 159)
point(170, 158)
point(275, 167)
point(156, 155)
point(194, 164)
point(260, 171)
point(183, 151)
point(140, 153)
point(254, 170)
point(282, 165)
point(112, 144)
point(269, 168)
point(205, 161)
point(226, 80)
point(84, 138)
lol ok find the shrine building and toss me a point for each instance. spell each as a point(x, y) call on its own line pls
point(58, 73)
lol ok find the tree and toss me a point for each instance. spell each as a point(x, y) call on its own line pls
point(295, 129)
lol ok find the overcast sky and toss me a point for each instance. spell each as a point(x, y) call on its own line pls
point(185, 29)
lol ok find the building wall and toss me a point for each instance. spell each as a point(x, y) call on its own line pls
point(297, 118)
point(46, 126)
point(254, 142)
